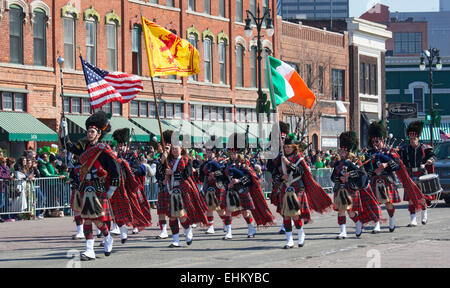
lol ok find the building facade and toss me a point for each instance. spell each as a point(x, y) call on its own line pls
point(109, 35)
point(313, 9)
point(321, 58)
point(412, 33)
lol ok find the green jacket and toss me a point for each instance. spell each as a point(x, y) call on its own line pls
point(46, 169)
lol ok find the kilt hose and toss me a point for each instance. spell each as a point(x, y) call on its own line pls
point(394, 197)
point(411, 190)
point(371, 212)
point(318, 200)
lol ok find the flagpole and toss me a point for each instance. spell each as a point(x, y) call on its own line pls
point(277, 119)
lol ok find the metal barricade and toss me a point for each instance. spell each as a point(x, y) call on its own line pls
point(323, 177)
point(28, 196)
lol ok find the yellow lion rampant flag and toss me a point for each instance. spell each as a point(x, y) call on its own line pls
point(168, 54)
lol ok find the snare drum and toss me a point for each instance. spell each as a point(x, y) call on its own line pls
point(430, 184)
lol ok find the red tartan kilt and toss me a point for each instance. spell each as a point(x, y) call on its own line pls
point(106, 207)
point(163, 206)
point(394, 196)
point(246, 200)
point(302, 199)
point(371, 208)
point(193, 203)
point(356, 200)
point(121, 208)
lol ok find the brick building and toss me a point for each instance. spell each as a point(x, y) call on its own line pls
point(321, 58)
point(109, 35)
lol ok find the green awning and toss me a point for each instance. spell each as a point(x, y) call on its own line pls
point(426, 135)
point(77, 128)
point(16, 126)
point(152, 127)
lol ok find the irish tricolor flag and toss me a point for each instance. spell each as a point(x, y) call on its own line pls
point(287, 85)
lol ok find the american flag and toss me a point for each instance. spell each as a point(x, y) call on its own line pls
point(443, 135)
point(105, 87)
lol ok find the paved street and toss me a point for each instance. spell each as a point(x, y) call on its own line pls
point(48, 243)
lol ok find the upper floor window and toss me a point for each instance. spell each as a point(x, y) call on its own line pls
point(170, 3)
point(222, 8)
point(223, 62)
point(39, 38)
point(337, 84)
point(207, 6)
point(191, 5)
point(111, 34)
point(407, 43)
point(239, 11)
point(69, 42)
point(91, 42)
point(192, 38)
point(418, 98)
point(77, 105)
point(10, 101)
point(207, 59)
point(239, 66)
point(253, 72)
point(16, 34)
point(136, 50)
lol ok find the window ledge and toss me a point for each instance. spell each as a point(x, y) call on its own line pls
point(27, 67)
point(72, 71)
point(208, 84)
point(155, 5)
point(175, 81)
point(207, 15)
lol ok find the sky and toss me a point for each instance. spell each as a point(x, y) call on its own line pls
point(358, 7)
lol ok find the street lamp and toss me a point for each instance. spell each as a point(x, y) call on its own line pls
point(429, 55)
point(258, 20)
point(63, 125)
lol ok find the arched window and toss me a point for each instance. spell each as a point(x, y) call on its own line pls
point(223, 61)
point(193, 38)
point(16, 34)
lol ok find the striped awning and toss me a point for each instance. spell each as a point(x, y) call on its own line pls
point(445, 126)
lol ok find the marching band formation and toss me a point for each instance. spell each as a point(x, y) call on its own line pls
point(107, 187)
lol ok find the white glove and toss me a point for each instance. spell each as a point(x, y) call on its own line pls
point(111, 191)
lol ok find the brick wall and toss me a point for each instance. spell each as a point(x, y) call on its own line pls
point(43, 83)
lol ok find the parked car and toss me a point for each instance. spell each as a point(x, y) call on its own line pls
point(442, 168)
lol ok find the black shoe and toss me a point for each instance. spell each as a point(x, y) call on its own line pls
point(123, 241)
point(225, 238)
point(340, 237)
point(107, 254)
point(86, 258)
point(375, 232)
point(99, 235)
point(358, 235)
point(251, 236)
point(282, 232)
point(424, 222)
point(288, 247)
point(174, 246)
point(392, 229)
point(301, 245)
point(101, 244)
point(410, 225)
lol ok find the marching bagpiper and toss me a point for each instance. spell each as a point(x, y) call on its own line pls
point(126, 203)
point(348, 179)
point(244, 193)
point(99, 177)
point(380, 167)
point(419, 160)
point(298, 192)
point(185, 202)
